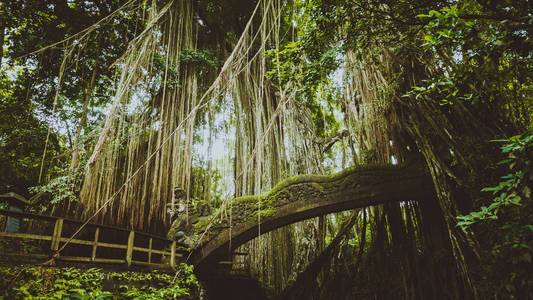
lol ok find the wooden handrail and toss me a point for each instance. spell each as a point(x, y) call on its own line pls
point(25, 236)
point(94, 243)
point(52, 218)
point(26, 215)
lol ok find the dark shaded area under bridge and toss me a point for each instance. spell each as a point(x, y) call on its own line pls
point(303, 197)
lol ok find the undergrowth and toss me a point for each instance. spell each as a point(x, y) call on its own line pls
point(93, 283)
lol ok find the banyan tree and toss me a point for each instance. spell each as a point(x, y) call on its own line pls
point(205, 101)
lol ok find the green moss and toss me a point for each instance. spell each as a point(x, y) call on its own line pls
point(171, 234)
point(202, 223)
point(311, 178)
point(247, 205)
point(251, 201)
point(265, 213)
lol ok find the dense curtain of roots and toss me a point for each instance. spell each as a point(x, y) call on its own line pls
point(138, 147)
point(145, 148)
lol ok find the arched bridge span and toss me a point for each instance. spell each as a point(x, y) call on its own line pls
point(309, 196)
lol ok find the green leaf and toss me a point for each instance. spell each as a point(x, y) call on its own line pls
point(515, 200)
point(434, 13)
point(491, 189)
point(429, 38)
point(505, 161)
point(103, 295)
point(464, 223)
point(494, 206)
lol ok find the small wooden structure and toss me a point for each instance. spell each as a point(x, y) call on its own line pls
point(156, 245)
point(15, 203)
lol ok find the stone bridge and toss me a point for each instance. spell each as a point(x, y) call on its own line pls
point(303, 197)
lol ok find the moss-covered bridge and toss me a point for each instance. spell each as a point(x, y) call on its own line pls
point(304, 197)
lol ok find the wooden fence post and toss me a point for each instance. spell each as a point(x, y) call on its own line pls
point(95, 243)
point(150, 250)
point(129, 251)
point(56, 237)
point(173, 254)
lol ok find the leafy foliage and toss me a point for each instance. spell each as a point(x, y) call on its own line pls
point(21, 135)
point(485, 56)
point(515, 189)
point(315, 89)
point(93, 283)
point(509, 215)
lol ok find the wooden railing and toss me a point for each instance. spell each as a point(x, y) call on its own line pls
point(157, 245)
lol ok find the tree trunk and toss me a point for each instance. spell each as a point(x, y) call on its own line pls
point(2, 38)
